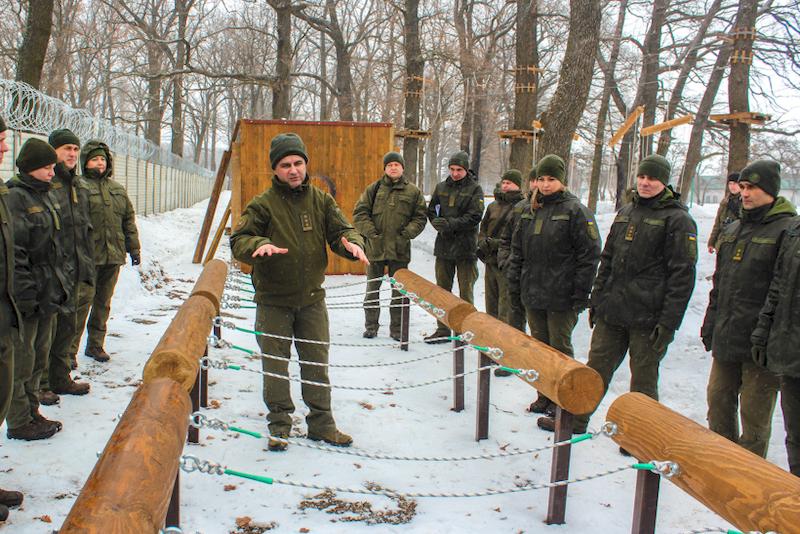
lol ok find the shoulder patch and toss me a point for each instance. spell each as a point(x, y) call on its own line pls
point(35, 209)
point(691, 245)
point(241, 223)
point(591, 229)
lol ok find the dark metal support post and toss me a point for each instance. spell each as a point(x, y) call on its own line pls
point(646, 504)
point(405, 317)
point(559, 470)
point(173, 518)
point(193, 436)
point(458, 368)
point(482, 411)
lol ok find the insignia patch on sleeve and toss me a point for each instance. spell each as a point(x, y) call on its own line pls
point(592, 229)
point(241, 223)
point(691, 245)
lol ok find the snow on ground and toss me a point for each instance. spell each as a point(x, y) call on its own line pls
point(412, 422)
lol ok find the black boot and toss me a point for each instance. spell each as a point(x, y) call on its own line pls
point(10, 498)
point(540, 405)
point(3, 513)
point(438, 337)
point(32, 431)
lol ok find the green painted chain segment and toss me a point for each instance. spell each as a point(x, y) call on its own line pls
point(245, 431)
point(257, 478)
point(235, 367)
point(582, 437)
point(248, 331)
point(511, 370)
point(248, 307)
point(479, 348)
point(248, 351)
point(644, 467)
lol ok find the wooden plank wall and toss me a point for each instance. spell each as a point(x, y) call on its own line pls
point(350, 154)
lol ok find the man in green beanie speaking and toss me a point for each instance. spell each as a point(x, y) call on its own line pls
point(283, 233)
point(389, 214)
point(455, 211)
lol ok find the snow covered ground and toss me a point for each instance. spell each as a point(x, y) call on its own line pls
point(415, 422)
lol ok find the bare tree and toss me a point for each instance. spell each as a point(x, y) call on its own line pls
point(32, 51)
point(526, 82)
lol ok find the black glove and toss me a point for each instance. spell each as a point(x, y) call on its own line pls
point(27, 307)
point(759, 353)
point(440, 224)
point(580, 305)
point(707, 343)
point(661, 337)
point(592, 321)
point(136, 259)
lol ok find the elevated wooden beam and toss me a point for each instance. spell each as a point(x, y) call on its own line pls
point(746, 490)
point(750, 117)
point(211, 282)
point(212, 249)
point(455, 309)
point(666, 125)
point(629, 122)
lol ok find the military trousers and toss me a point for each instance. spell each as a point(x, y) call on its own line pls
point(495, 292)
point(309, 322)
point(85, 296)
point(742, 389)
point(6, 370)
point(554, 328)
point(467, 273)
point(64, 335)
point(30, 361)
point(104, 283)
point(607, 351)
point(790, 404)
point(516, 315)
point(372, 309)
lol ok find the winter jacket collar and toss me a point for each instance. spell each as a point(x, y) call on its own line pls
point(766, 214)
point(668, 198)
point(469, 178)
point(66, 175)
point(284, 188)
point(29, 182)
point(399, 184)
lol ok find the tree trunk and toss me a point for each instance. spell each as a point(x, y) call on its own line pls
point(479, 113)
point(525, 101)
point(282, 88)
point(155, 110)
point(415, 70)
point(574, 79)
point(739, 85)
point(32, 51)
point(648, 83)
point(178, 125)
point(324, 103)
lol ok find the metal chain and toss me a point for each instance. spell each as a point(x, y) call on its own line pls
point(352, 365)
point(725, 531)
point(360, 306)
point(353, 284)
point(360, 294)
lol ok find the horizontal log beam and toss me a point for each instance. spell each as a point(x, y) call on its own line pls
point(743, 488)
point(455, 309)
point(666, 125)
point(567, 382)
point(211, 282)
point(128, 490)
point(629, 122)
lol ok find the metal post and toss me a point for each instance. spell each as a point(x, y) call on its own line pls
point(193, 435)
point(482, 412)
point(646, 504)
point(559, 470)
point(458, 369)
point(204, 384)
point(173, 518)
point(405, 318)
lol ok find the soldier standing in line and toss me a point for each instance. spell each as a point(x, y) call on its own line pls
point(283, 233)
point(728, 211)
point(113, 222)
point(777, 336)
point(643, 285)
point(10, 318)
point(746, 258)
point(389, 214)
point(72, 197)
point(554, 255)
point(455, 211)
point(40, 284)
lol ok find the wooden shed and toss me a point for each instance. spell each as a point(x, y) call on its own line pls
point(343, 158)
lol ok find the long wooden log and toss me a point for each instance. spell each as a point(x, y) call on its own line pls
point(211, 282)
point(178, 352)
point(212, 249)
point(629, 121)
point(455, 309)
point(567, 382)
point(129, 489)
point(666, 125)
point(216, 190)
point(741, 487)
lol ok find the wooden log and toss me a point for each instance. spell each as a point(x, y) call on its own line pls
point(666, 125)
point(129, 489)
point(629, 122)
point(177, 355)
point(211, 282)
point(205, 229)
point(212, 249)
point(567, 382)
point(743, 488)
point(456, 310)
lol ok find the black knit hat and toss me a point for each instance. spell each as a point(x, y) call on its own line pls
point(288, 144)
point(460, 159)
point(733, 177)
point(63, 137)
point(513, 175)
point(764, 174)
point(394, 157)
point(532, 173)
point(655, 166)
point(552, 165)
point(3, 127)
point(35, 154)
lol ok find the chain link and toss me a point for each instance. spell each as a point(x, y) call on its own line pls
point(353, 365)
point(190, 463)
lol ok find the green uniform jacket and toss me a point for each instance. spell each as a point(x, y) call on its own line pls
point(504, 245)
point(461, 205)
point(779, 320)
point(72, 196)
point(389, 215)
point(728, 211)
point(647, 268)
point(746, 258)
point(495, 220)
point(302, 220)
point(554, 254)
point(9, 314)
point(112, 216)
point(40, 282)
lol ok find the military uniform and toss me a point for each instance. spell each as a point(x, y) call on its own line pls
point(455, 210)
point(114, 222)
point(642, 288)
point(746, 258)
point(389, 215)
point(289, 294)
point(516, 311)
point(10, 318)
point(728, 211)
point(778, 333)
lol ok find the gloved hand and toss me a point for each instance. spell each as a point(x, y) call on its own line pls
point(661, 337)
point(440, 224)
point(759, 353)
point(592, 321)
point(136, 258)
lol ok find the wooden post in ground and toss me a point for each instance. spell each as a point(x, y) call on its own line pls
point(645, 504)
point(482, 405)
point(193, 435)
point(458, 381)
point(559, 468)
point(212, 249)
point(405, 318)
point(174, 510)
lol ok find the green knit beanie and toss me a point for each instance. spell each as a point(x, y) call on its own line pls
point(532, 173)
point(655, 166)
point(460, 159)
point(63, 137)
point(35, 154)
point(551, 165)
point(394, 157)
point(3, 127)
point(513, 175)
point(764, 174)
point(288, 144)
point(99, 151)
